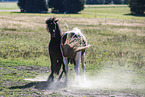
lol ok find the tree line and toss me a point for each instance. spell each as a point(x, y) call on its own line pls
point(7, 0)
point(32, 6)
point(106, 1)
point(137, 6)
point(58, 6)
point(74, 6)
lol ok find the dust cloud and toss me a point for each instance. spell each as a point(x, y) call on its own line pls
point(109, 78)
point(115, 77)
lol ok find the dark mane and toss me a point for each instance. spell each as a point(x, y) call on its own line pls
point(53, 20)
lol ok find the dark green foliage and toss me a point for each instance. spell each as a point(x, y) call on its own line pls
point(68, 6)
point(137, 6)
point(117, 1)
point(32, 5)
point(125, 1)
point(21, 4)
point(106, 1)
point(73, 6)
point(56, 5)
point(91, 2)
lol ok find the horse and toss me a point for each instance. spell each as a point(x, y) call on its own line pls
point(73, 46)
point(54, 48)
point(65, 48)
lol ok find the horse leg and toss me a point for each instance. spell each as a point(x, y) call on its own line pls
point(51, 77)
point(62, 72)
point(83, 65)
point(60, 76)
point(77, 64)
point(65, 61)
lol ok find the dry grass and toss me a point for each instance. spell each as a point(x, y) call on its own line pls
point(117, 44)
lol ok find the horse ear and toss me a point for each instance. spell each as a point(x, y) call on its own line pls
point(55, 21)
point(47, 21)
point(53, 18)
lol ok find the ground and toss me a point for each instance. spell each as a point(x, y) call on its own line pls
point(38, 86)
point(114, 62)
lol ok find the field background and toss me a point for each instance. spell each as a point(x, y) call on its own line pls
point(115, 62)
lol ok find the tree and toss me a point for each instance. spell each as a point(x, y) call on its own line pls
point(33, 6)
point(56, 5)
point(117, 1)
point(106, 1)
point(120, 1)
point(137, 6)
point(69, 6)
point(21, 5)
point(73, 6)
point(91, 2)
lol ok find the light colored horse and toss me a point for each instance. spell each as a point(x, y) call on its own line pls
point(73, 46)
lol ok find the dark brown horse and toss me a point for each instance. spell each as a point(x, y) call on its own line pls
point(54, 48)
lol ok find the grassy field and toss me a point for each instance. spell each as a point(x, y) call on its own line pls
point(8, 6)
point(115, 62)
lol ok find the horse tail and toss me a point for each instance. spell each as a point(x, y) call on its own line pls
point(73, 42)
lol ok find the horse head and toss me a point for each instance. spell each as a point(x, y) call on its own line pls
point(51, 24)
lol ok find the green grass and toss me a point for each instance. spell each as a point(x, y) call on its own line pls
point(8, 6)
point(90, 11)
point(117, 44)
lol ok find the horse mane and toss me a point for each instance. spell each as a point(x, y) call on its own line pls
point(59, 29)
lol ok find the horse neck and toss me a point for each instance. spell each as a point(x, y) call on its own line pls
point(58, 29)
point(57, 39)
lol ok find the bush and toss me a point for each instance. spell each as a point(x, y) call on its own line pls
point(21, 5)
point(73, 6)
point(34, 6)
point(91, 2)
point(56, 5)
point(137, 6)
point(106, 1)
point(68, 6)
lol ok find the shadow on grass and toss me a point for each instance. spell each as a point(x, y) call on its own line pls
point(45, 13)
point(137, 15)
point(42, 85)
point(28, 13)
point(15, 12)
